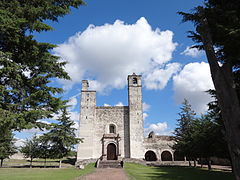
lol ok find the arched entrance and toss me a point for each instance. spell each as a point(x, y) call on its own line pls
point(150, 156)
point(166, 156)
point(111, 152)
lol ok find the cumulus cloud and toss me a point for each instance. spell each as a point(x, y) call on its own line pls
point(19, 142)
point(191, 83)
point(146, 106)
point(192, 52)
point(72, 103)
point(145, 115)
point(158, 128)
point(158, 78)
point(119, 104)
point(106, 54)
point(74, 116)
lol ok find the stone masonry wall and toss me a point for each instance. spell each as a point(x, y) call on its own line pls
point(116, 115)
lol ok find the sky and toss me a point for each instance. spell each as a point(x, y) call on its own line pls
point(104, 41)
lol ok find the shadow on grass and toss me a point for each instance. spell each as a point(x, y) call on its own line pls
point(180, 173)
point(175, 173)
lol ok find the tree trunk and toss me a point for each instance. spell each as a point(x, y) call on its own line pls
point(31, 162)
point(195, 163)
point(1, 162)
point(201, 162)
point(209, 164)
point(189, 162)
point(45, 162)
point(60, 163)
point(227, 97)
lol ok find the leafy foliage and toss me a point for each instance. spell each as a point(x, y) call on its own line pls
point(31, 149)
point(26, 66)
point(61, 138)
point(217, 30)
point(7, 147)
point(223, 19)
point(183, 133)
point(201, 137)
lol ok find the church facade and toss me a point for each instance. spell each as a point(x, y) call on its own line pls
point(117, 132)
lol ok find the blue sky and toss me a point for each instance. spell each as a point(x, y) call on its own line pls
point(146, 37)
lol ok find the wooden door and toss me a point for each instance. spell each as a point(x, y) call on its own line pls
point(111, 152)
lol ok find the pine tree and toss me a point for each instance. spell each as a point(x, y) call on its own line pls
point(7, 147)
point(61, 138)
point(183, 132)
point(26, 66)
point(217, 30)
point(31, 149)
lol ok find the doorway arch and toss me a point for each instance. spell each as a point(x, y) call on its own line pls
point(111, 152)
point(150, 156)
point(166, 156)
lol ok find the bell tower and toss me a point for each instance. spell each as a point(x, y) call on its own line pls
point(87, 118)
point(135, 116)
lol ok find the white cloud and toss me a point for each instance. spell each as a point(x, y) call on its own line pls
point(146, 106)
point(158, 78)
point(193, 52)
point(72, 103)
point(107, 54)
point(119, 104)
point(158, 128)
point(74, 116)
point(19, 142)
point(145, 115)
point(191, 83)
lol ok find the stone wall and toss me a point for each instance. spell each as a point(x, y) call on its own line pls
point(105, 116)
point(159, 144)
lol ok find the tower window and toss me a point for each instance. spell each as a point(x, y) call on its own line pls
point(134, 80)
point(112, 129)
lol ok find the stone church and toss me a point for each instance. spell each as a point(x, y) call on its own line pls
point(117, 132)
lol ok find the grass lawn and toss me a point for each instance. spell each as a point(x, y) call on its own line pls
point(38, 163)
point(140, 172)
point(43, 173)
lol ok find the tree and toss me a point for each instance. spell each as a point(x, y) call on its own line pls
point(61, 138)
point(31, 149)
point(217, 30)
point(205, 138)
point(26, 66)
point(183, 132)
point(7, 147)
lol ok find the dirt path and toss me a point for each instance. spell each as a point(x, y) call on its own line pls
point(106, 174)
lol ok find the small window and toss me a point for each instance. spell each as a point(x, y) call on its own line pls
point(112, 128)
point(134, 80)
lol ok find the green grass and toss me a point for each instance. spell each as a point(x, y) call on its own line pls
point(140, 172)
point(67, 162)
point(44, 173)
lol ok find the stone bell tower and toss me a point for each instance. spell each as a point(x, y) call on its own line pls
point(135, 116)
point(87, 118)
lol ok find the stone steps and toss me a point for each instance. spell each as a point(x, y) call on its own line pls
point(110, 164)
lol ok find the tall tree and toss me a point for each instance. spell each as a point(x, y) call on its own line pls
point(183, 132)
point(26, 66)
point(7, 147)
point(217, 29)
point(31, 149)
point(61, 137)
